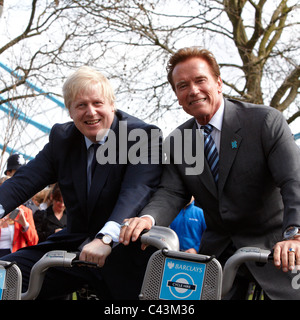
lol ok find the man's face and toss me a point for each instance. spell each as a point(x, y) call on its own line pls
point(197, 89)
point(91, 112)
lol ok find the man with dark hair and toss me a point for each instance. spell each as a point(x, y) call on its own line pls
point(249, 189)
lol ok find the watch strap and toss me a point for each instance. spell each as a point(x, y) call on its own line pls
point(101, 235)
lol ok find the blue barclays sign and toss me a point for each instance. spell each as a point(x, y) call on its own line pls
point(182, 280)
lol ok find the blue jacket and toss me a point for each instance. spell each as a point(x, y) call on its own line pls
point(189, 226)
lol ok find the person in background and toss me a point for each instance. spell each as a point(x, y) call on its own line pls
point(14, 162)
point(35, 202)
point(39, 198)
point(189, 226)
point(17, 230)
point(53, 219)
point(47, 199)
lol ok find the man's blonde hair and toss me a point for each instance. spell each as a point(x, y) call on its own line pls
point(82, 80)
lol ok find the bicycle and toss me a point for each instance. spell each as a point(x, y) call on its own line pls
point(170, 274)
point(175, 275)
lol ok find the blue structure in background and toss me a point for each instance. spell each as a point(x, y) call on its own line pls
point(13, 111)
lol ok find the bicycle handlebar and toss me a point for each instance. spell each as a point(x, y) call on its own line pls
point(56, 258)
point(241, 256)
point(162, 237)
point(159, 237)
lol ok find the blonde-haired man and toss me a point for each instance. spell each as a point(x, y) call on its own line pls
point(98, 197)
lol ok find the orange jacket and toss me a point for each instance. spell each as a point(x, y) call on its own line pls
point(27, 238)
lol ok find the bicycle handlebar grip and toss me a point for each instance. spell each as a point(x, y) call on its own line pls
point(56, 258)
point(241, 255)
point(161, 237)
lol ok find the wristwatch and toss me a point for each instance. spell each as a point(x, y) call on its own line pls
point(106, 238)
point(290, 233)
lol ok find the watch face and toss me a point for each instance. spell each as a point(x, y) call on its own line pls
point(107, 239)
point(291, 232)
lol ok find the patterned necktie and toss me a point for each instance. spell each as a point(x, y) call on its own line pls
point(210, 151)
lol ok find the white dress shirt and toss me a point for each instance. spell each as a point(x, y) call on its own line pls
point(216, 121)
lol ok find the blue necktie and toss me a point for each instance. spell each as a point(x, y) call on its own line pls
point(210, 151)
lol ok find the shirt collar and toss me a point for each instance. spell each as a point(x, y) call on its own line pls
point(88, 142)
point(217, 118)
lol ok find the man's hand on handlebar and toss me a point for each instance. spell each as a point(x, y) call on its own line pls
point(96, 252)
point(132, 228)
point(287, 254)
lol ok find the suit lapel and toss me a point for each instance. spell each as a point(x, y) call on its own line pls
point(230, 142)
point(208, 180)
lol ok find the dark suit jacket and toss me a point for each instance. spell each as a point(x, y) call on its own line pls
point(258, 193)
point(118, 191)
point(46, 222)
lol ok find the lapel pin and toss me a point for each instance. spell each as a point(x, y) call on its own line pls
point(234, 144)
